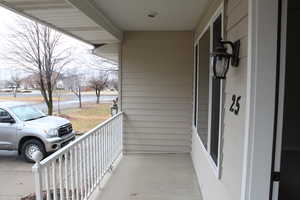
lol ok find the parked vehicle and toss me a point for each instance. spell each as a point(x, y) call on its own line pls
point(27, 129)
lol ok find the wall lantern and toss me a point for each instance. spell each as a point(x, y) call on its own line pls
point(221, 58)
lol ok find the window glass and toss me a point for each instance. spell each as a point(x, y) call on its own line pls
point(216, 97)
point(3, 115)
point(27, 113)
point(203, 87)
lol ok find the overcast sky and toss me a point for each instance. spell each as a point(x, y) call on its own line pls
point(8, 21)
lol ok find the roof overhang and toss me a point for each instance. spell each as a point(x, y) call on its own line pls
point(108, 51)
point(77, 18)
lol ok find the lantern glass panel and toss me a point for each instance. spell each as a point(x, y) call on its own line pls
point(220, 65)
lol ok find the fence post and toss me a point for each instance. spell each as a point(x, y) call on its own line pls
point(36, 169)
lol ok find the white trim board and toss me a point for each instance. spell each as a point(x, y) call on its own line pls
point(260, 102)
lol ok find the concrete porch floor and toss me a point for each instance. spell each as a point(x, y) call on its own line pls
point(152, 177)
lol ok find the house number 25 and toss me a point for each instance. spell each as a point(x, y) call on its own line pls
point(235, 106)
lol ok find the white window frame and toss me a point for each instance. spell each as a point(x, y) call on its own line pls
point(216, 167)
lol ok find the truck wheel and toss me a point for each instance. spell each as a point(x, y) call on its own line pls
point(31, 146)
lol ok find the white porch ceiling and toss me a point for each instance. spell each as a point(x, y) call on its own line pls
point(173, 15)
point(64, 16)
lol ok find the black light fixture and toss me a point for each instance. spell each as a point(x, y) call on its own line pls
point(221, 58)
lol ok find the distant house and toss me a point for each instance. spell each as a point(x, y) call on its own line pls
point(32, 81)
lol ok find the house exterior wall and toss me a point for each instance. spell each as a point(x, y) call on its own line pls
point(157, 80)
point(228, 185)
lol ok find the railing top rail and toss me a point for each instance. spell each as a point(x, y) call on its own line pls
point(78, 140)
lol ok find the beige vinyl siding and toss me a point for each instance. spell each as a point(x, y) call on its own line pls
point(157, 71)
point(228, 187)
point(236, 84)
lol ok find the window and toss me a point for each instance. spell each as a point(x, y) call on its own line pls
point(216, 98)
point(203, 87)
point(209, 95)
point(27, 113)
point(4, 115)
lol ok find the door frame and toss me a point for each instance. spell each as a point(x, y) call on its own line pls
point(261, 98)
point(280, 92)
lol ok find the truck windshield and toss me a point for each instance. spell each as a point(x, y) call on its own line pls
point(27, 113)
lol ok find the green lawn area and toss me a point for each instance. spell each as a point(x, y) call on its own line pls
point(88, 117)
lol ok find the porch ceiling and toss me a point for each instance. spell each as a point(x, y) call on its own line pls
point(173, 15)
point(69, 17)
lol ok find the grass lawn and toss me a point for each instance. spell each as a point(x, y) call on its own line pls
point(88, 117)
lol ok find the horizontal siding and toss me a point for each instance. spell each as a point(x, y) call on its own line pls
point(129, 99)
point(155, 135)
point(157, 91)
point(155, 123)
point(157, 149)
point(156, 130)
point(159, 142)
point(236, 84)
point(173, 118)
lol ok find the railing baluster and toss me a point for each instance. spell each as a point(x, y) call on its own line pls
point(54, 180)
point(90, 161)
point(82, 169)
point(97, 157)
point(94, 169)
point(76, 155)
point(61, 192)
point(108, 145)
point(88, 169)
point(105, 148)
point(67, 175)
point(72, 173)
point(47, 182)
point(101, 151)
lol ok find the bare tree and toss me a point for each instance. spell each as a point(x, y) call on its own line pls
point(75, 83)
point(99, 83)
point(14, 83)
point(37, 49)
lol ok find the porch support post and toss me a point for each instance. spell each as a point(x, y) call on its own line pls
point(36, 169)
point(260, 103)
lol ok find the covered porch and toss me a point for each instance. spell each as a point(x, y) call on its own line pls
point(176, 134)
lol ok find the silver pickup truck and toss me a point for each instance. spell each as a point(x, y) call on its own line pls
point(26, 129)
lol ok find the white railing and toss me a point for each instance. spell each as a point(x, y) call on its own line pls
point(73, 172)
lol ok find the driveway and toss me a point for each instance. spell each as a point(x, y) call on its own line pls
point(16, 179)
